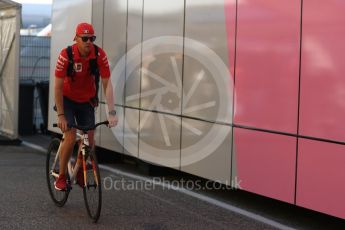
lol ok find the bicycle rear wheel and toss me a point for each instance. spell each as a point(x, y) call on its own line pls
point(92, 190)
point(58, 197)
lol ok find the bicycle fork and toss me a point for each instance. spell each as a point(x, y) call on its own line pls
point(86, 152)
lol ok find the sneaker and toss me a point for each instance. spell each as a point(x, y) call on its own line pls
point(60, 184)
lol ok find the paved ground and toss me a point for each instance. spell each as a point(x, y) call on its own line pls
point(25, 202)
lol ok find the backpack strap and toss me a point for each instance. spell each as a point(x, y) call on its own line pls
point(70, 69)
point(95, 72)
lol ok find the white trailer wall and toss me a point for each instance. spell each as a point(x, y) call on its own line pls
point(9, 62)
point(173, 89)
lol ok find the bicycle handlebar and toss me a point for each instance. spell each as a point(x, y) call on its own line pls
point(85, 128)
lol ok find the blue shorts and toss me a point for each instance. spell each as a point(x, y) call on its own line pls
point(82, 114)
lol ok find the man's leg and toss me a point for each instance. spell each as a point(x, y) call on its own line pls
point(69, 136)
point(91, 135)
point(85, 116)
point(80, 175)
point(67, 150)
point(92, 145)
point(65, 154)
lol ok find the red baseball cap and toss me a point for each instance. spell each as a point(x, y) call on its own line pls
point(84, 28)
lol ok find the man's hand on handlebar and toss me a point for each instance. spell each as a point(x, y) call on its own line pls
point(112, 119)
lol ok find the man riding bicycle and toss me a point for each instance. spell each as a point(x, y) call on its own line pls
point(77, 72)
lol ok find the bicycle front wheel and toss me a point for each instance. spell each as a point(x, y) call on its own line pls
point(52, 172)
point(92, 189)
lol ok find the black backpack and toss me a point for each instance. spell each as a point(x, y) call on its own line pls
point(93, 71)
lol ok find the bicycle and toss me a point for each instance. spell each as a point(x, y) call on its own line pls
point(92, 182)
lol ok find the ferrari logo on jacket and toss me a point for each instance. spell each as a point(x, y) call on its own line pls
point(78, 67)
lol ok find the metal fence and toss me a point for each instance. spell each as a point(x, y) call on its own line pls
point(34, 68)
point(34, 58)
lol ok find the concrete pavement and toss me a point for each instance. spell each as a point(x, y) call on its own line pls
point(131, 201)
point(25, 202)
